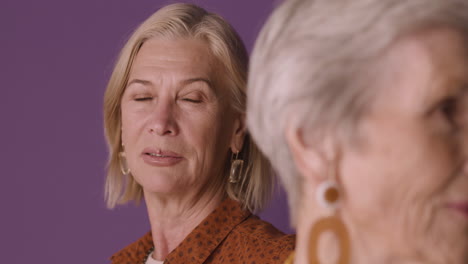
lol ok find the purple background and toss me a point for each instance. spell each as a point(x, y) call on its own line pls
point(56, 57)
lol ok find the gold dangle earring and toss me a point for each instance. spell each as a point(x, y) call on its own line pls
point(328, 196)
point(123, 163)
point(236, 168)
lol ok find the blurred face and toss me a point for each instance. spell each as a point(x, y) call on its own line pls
point(176, 125)
point(406, 185)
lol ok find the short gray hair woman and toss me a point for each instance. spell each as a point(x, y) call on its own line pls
point(361, 106)
point(174, 113)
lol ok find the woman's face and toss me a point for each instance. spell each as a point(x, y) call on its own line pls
point(406, 182)
point(177, 126)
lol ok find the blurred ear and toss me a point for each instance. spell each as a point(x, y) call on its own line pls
point(312, 160)
point(237, 139)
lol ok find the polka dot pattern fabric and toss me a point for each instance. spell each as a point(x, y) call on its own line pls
point(228, 235)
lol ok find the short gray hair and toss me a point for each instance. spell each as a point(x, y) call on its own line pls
point(313, 62)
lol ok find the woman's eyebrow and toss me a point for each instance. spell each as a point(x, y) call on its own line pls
point(143, 82)
point(199, 79)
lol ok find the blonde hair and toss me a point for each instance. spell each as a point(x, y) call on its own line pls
point(187, 21)
point(313, 62)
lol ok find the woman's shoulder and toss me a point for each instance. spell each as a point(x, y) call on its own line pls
point(258, 229)
point(261, 240)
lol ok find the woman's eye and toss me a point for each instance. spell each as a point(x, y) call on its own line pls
point(141, 99)
point(449, 109)
point(192, 100)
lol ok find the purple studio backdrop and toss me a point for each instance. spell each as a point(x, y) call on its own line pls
point(56, 57)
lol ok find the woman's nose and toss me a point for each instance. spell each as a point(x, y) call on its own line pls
point(163, 121)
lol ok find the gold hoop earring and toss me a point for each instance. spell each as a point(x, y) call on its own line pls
point(123, 164)
point(328, 196)
point(236, 168)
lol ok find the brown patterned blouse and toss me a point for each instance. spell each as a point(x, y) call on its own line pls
point(228, 235)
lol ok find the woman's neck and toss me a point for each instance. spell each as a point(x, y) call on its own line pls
point(172, 219)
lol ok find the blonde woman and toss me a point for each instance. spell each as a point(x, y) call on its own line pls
point(362, 107)
point(174, 113)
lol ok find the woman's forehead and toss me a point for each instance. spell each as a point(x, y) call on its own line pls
point(184, 55)
point(163, 62)
point(425, 66)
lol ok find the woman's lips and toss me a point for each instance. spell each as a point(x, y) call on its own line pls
point(461, 207)
point(160, 158)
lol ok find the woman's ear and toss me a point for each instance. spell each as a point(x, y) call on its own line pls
point(238, 135)
point(312, 160)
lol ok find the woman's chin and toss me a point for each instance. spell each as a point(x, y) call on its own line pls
point(163, 188)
